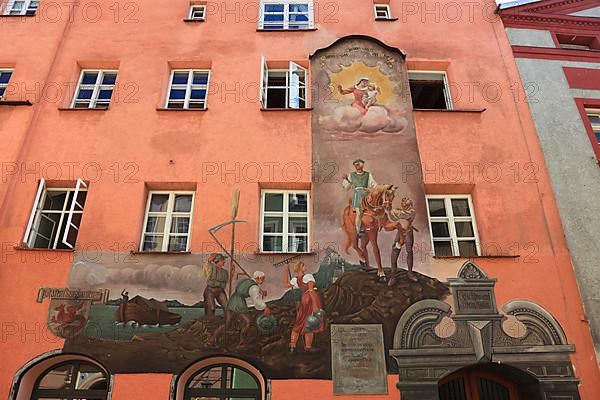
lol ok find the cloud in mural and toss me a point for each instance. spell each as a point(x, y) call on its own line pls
point(186, 278)
point(377, 118)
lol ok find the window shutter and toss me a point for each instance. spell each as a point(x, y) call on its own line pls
point(295, 84)
point(264, 70)
point(70, 226)
point(8, 6)
point(34, 210)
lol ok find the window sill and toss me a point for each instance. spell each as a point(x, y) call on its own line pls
point(82, 109)
point(15, 103)
point(16, 16)
point(193, 20)
point(22, 248)
point(283, 253)
point(182, 109)
point(135, 252)
point(387, 19)
point(472, 257)
point(287, 109)
point(454, 110)
point(286, 30)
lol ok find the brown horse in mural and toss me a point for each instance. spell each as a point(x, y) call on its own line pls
point(375, 209)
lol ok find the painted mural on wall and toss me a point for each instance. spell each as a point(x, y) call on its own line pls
point(370, 238)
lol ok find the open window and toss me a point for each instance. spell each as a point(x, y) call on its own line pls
point(429, 90)
point(577, 42)
point(283, 88)
point(55, 217)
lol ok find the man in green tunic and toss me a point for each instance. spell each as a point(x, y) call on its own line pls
point(361, 182)
point(237, 308)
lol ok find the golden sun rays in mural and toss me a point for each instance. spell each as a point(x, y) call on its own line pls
point(349, 77)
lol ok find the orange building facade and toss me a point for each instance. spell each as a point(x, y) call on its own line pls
point(125, 129)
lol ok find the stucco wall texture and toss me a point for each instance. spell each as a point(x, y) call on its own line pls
point(495, 155)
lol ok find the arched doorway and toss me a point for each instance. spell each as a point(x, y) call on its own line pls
point(477, 384)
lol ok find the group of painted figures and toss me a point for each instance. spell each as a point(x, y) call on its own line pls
point(309, 313)
point(369, 211)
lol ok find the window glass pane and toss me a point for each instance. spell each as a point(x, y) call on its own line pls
point(460, 208)
point(155, 224)
point(81, 197)
point(159, 202)
point(436, 207)
point(59, 378)
point(152, 243)
point(89, 78)
point(90, 377)
point(594, 119)
point(180, 225)
point(2, 89)
point(177, 94)
point(298, 225)
point(197, 104)
point(178, 243)
point(297, 244)
point(298, 18)
point(299, 8)
point(183, 203)
point(82, 104)
point(54, 200)
point(173, 104)
point(85, 94)
point(5, 76)
point(272, 243)
point(243, 380)
point(105, 94)
point(198, 94)
point(298, 202)
point(210, 378)
point(464, 229)
point(273, 225)
point(273, 201)
point(277, 79)
point(442, 248)
point(180, 78)
point(200, 78)
point(109, 78)
point(440, 229)
point(273, 7)
point(467, 248)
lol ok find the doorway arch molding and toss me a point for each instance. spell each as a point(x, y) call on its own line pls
point(539, 349)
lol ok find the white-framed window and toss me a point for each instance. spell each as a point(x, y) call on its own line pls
point(382, 11)
point(283, 88)
point(430, 90)
point(197, 12)
point(168, 221)
point(286, 14)
point(452, 224)
point(593, 115)
point(284, 221)
point(55, 217)
point(5, 75)
point(94, 88)
point(188, 88)
point(21, 7)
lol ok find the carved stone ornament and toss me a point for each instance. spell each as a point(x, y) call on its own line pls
point(540, 353)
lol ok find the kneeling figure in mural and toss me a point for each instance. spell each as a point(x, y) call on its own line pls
point(237, 309)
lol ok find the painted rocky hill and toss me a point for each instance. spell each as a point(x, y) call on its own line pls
point(354, 297)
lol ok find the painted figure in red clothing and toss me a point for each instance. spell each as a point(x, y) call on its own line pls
point(361, 92)
point(309, 315)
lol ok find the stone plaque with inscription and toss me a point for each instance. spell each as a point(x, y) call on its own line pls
point(358, 359)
